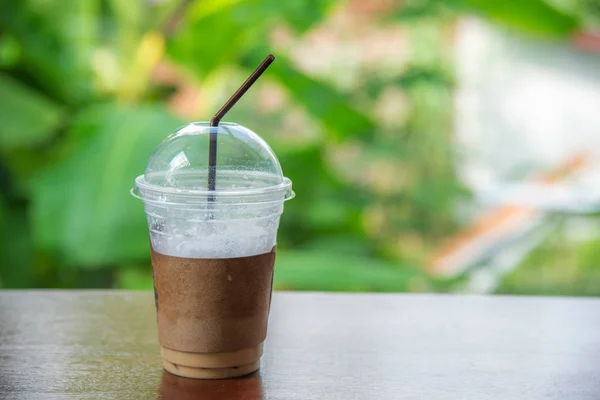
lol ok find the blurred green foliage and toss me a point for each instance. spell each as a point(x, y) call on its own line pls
point(558, 266)
point(80, 113)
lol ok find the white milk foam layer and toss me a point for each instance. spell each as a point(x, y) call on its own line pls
point(206, 234)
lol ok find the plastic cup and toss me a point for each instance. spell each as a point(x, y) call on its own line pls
point(213, 252)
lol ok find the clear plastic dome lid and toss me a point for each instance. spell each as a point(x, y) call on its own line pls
point(246, 167)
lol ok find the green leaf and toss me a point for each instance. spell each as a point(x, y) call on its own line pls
point(214, 34)
point(2, 241)
point(81, 206)
point(127, 27)
point(132, 278)
point(419, 10)
point(322, 101)
point(534, 16)
point(314, 184)
point(27, 116)
point(327, 271)
point(57, 40)
point(328, 213)
point(217, 33)
point(16, 248)
point(10, 51)
point(342, 243)
point(300, 15)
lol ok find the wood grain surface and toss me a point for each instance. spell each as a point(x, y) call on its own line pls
point(102, 345)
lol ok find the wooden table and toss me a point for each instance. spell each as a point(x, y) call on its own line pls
point(102, 345)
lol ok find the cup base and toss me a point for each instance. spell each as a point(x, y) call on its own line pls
point(212, 365)
point(210, 373)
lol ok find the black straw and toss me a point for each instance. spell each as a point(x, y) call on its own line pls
point(214, 122)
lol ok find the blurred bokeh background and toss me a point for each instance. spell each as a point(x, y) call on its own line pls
point(433, 145)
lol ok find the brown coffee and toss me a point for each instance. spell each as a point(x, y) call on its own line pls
point(212, 313)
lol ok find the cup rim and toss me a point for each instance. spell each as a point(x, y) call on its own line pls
point(142, 188)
